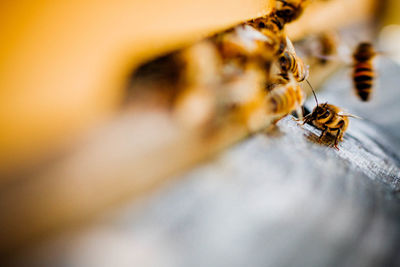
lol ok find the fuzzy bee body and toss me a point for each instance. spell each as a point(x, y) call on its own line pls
point(330, 119)
point(272, 27)
point(290, 62)
point(290, 10)
point(284, 99)
point(363, 71)
point(328, 46)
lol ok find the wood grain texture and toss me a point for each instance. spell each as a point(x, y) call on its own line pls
point(129, 156)
point(276, 199)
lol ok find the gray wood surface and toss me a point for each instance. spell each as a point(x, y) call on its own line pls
point(276, 199)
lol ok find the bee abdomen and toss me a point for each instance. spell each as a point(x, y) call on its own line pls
point(283, 100)
point(363, 80)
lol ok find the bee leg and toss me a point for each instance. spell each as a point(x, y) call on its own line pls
point(299, 113)
point(323, 133)
point(306, 119)
point(337, 138)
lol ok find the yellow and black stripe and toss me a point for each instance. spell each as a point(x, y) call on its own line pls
point(282, 100)
point(289, 62)
point(363, 78)
point(363, 71)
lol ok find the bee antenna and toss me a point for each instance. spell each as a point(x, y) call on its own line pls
point(312, 90)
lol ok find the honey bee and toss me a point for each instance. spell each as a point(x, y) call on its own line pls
point(330, 119)
point(328, 46)
point(363, 71)
point(283, 99)
point(243, 44)
point(290, 10)
point(272, 27)
point(290, 63)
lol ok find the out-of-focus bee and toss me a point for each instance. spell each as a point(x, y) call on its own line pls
point(283, 99)
point(328, 46)
point(270, 22)
point(272, 27)
point(196, 102)
point(290, 10)
point(243, 45)
point(290, 63)
point(330, 119)
point(363, 71)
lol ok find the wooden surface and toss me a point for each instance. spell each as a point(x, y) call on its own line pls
point(276, 199)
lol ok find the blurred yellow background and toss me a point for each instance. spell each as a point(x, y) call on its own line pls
point(64, 63)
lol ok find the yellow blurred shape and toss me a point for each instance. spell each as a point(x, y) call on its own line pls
point(63, 63)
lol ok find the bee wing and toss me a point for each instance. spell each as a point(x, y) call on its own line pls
point(346, 114)
point(290, 46)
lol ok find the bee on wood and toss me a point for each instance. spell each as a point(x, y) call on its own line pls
point(290, 62)
point(329, 119)
point(283, 99)
point(363, 71)
point(290, 10)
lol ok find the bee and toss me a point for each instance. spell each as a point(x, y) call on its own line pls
point(283, 99)
point(328, 46)
point(363, 71)
point(196, 102)
point(272, 27)
point(330, 119)
point(290, 63)
point(244, 44)
point(270, 22)
point(290, 10)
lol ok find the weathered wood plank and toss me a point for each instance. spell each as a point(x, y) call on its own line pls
point(276, 199)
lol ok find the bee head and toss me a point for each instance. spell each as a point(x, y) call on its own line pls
point(364, 51)
point(321, 112)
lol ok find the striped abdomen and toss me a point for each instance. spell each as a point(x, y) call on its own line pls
point(284, 99)
point(363, 77)
point(337, 122)
point(291, 63)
